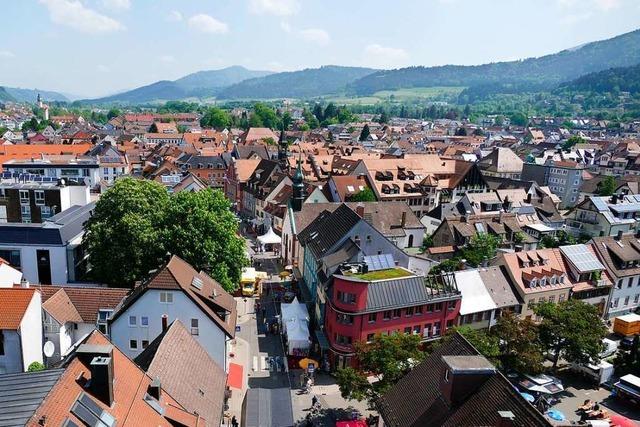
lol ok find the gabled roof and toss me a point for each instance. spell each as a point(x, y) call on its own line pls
point(428, 406)
point(130, 390)
point(13, 306)
point(178, 275)
point(60, 307)
point(328, 229)
point(86, 300)
point(186, 371)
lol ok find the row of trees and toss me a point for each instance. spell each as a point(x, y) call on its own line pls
point(571, 330)
point(137, 222)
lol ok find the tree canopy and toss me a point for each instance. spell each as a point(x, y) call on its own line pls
point(571, 329)
point(387, 357)
point(216, 118)
point(366, 195)
point(365, 133)
point(608, 186)
point(136, 222)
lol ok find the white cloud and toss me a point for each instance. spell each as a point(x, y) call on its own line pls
point(285, 26)
point(385, 57)
point(207, 24)
point(167, 58)
point(274, 7)
point(174, 16)
point(316, 35)
point(116, 4)
point(103, 68)
point(74, 14)
point(607, 4)
point(6, 54)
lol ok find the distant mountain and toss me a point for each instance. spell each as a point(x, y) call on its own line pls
point(30, 95)
point(219, 78)
point(621, 79)
point(5, 96)
point(198, 85)
point(306, 83)
point(620, 51)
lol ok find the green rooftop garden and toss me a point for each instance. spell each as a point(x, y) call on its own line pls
point(389, 273)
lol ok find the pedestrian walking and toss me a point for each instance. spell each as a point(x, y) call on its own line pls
point(264, 312)
point(314, 401)
point(234, 421)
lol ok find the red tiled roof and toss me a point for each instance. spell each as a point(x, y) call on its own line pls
point(86, 300)
point(13, 305)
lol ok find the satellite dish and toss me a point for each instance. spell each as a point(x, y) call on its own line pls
point(48, 348)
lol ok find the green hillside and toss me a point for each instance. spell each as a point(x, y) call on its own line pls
point(306, 83)
point(620, 51)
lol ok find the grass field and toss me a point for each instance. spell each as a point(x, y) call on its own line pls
point(443, 93)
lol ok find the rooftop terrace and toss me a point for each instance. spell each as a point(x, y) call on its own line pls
point(387, 273)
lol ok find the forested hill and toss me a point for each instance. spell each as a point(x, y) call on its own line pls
point(622, 79)
point(310, 82)
point(620, 51)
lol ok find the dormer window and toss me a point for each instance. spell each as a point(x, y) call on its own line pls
point(543, 281)
point(553, 280)
point(562, 279)
point(533, 283)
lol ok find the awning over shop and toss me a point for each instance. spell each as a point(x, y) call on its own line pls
point(235, 377)
point(267, 408)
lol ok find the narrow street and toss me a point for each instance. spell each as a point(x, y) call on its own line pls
point(261, 354)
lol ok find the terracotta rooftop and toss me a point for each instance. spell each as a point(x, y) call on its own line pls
point(87, 301)
point(13, 306)
point(130, 387)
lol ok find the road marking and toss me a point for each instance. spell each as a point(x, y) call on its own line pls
point(255, 363)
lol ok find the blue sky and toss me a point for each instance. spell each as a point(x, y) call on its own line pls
point(96, 47)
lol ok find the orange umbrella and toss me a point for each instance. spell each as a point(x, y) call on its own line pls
point(304, 363)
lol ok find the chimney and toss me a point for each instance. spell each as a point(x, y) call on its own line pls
point(360, 210)
point(102, 379)
point(99, 359)
point(462, 376)
point(529, 198)
point(403, 221)
point(619, 236)
point(155, 389)
point(24, 283)
point(505, 419)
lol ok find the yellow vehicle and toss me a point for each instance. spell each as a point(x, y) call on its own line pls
point(251, 281)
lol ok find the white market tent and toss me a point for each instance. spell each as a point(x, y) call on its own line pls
point(270, 238)
point(295, 322)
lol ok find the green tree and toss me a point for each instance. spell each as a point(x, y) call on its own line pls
point(216, 118)
point(114, 112)
point(571, 329)
point(387, 357)
point(136, 222)
point(265, 115)
point(310, 119)
point(607, 187)
point(461, 131)
point(201, 229)
point(573, 140)
point(520, 347)
point(365, 133)
point(519, 119)
point(366, 195)
point(446, 266)
point(488, 345)
point(124, 236)
point(35, 367)
point(384, 118)
point(481, 246)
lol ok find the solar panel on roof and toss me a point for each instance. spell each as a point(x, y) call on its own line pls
point(379, 262)
point(600, 204)
point(582, 258)
point(479, 227)
point(85, 415)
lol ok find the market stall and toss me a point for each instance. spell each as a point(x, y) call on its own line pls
point(269, 240)
point(295, 325)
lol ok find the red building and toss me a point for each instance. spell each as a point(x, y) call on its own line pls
point(364, 303)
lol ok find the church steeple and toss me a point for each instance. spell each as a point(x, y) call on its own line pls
point(298, 188)
point(283, 151)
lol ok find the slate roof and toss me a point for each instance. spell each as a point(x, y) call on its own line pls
point(13, 305)
point(186, 371)
point(328, 229)
point(407, 292)
point(177, 274)
point(610, 251)
point(57, 230)
point(86, 300)
point(22, 393)
point(496, 282)
point(429, 407)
